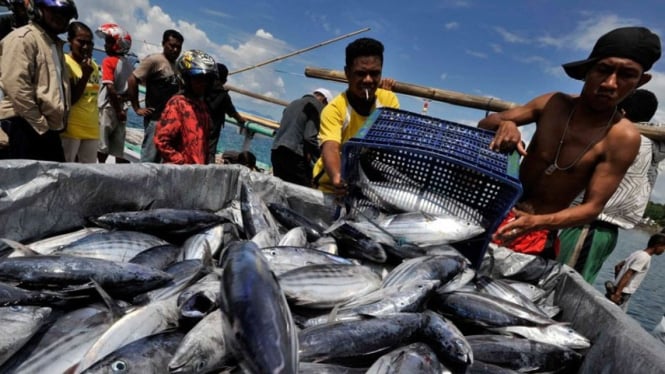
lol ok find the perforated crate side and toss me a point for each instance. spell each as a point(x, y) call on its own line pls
point(464, 190)
point(399, 128)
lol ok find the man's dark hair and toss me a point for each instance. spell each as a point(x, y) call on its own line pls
point(172, 34)
point(640, 106)
point(363, 47)
point(656, 239)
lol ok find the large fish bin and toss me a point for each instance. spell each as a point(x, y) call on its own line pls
point(398, 160)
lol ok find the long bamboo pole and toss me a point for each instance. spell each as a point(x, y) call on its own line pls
point(260, 120)
point(300, 51)
point(256, 95)
point(452, 97)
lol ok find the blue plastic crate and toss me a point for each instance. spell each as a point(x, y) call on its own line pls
point(436, 166)
point(400, 128)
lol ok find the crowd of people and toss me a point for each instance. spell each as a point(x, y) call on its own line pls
point(59, 107)
point(68, 108)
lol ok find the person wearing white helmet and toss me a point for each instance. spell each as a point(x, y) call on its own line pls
point(116, 70)
point(35, 83)
point(182, 132)
point(295, 147)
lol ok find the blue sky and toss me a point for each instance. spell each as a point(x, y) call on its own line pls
point(511, 50)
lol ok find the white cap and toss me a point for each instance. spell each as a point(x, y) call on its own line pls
point(327, 94)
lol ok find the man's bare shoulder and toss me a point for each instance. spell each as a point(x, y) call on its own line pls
point(624, 132)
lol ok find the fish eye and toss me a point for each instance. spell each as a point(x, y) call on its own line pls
point(119, 366)
point(200, 366)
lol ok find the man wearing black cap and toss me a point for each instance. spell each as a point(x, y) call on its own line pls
point(581, 143)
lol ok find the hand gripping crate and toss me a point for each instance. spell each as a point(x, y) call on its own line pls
point(431, 165)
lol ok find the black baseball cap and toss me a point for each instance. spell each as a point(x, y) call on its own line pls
point(636, 43)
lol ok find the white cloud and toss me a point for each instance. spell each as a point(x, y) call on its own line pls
point(451, 26)
point(496, 48)
point(476, 53)
point(146, 23)
point(510, 37)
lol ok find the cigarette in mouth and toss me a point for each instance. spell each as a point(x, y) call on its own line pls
point(366, 94)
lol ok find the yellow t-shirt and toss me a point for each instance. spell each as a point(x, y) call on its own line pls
point(340, 122)
point(83, 121)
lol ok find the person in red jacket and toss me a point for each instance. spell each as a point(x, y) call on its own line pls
point(182, 133)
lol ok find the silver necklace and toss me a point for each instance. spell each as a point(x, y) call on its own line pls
point(555, 165)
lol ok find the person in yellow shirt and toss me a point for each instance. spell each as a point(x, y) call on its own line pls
point(345, 115)
point(81, 138)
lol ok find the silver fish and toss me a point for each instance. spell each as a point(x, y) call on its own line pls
point(118, 246)
point(444, 337)
point(156, 317)
point(384, 301)
point(268, 237)
point(117, 278)
point(203, 349)
point(485, 310)
point(262, 334)
point(324, 286)
point(210, 240)
point(357, 338)
point(255, 214)
point(290, 219)
point(522, 354)
point(158, 257)
point(557, 334)
point(64, 343)
point(19, 324)
point(285, 258)
point(502, 290)
point(297, 236)
point(149, 355)
point(424, 229)
point(166, 221)
point(48, 245)
point(200, 298)
point(412, 358)
point(442, 268)
point(183, 274)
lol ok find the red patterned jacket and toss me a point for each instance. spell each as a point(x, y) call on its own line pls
point(181, 136)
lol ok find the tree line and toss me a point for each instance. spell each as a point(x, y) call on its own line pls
point(656, 212)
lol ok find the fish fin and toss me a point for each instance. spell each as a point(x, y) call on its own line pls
point(27, 251)
point(116, 311)
point(333, 313)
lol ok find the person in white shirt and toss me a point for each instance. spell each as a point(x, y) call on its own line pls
point(630, 272)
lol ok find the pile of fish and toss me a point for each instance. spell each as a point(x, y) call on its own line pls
point(262, 288)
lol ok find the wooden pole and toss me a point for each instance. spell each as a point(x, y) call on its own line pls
point(451, 97)
point(256, 95)
point(260, 120)
point(300, 51)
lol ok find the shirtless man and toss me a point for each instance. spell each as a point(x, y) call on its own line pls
point(581, 142)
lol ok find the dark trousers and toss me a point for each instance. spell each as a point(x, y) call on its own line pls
point(290, 167)
point(26, 143)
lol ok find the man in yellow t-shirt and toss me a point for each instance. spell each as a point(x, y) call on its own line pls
point(345, 115)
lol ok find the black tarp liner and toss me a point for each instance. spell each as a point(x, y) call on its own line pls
point(40, 199)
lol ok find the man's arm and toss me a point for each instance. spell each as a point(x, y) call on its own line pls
point(133, 93)
point(623, 282)
point(618, 267)
point(332, 162)
point(508, 137)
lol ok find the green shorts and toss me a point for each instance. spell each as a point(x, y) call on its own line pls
point(595, 242)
